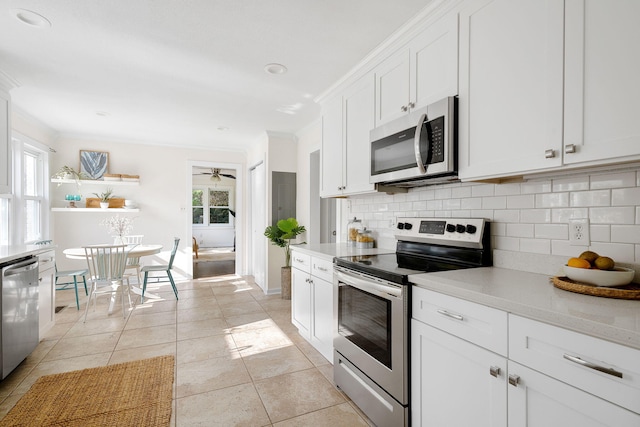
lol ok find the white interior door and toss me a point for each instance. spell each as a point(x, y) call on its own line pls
point(257, 264)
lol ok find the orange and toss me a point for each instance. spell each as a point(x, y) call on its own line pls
point(578, 263)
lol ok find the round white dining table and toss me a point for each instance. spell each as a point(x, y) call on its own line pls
point(135, 252)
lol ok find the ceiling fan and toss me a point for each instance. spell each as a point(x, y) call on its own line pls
point(216, 174)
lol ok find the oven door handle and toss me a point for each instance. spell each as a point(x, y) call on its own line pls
point(369, 286)
point(416, 144)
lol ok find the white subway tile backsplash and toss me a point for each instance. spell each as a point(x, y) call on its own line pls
point(520, 230)
point(552, 200)
point(625, 233)
point(507, 189)
point(506, 243)
point(526, 201)
point(613, 180)
point(497, 202)
point(536, 246)
point(570, 184)
point(600, 233)
point(529, 217)
point(564, 215)
point(536, 216)
point(625, 197)
point(534, 187)
point(590, 198)
point(483, 190)
point(551, 231)
point(611, 215)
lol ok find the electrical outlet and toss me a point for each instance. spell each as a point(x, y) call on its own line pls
point(579, 232)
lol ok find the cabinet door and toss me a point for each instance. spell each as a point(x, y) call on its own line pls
point(434, 62)
point(602, 89)
point(541, 401)
point(511, 71)
point(358, 107)
point(452, 384)
point(392, 87)
point(332, 153)
point(323, 318)
point(46, 292)
point(5, 144)
point(301, 302)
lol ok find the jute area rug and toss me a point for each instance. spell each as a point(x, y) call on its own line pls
point(137, 393)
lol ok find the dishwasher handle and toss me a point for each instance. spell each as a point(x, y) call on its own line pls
point(20, 267)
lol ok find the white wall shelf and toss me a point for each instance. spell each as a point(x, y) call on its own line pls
point(93, 182)
point(96, 210)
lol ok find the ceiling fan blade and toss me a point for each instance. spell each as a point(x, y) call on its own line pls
point(228, 176)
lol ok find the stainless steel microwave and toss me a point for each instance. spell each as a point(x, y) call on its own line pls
point(417, 149)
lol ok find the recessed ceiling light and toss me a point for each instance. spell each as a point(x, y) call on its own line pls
point(274, 68)
point(102, 113)
point(31, 18)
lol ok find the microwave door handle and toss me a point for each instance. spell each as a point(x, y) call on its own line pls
point(416, 144)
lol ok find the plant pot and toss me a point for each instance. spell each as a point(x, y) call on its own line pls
point(104, 205)
point(285, 282)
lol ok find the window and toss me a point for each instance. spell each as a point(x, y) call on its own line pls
point(216, 202)
point(32, 194)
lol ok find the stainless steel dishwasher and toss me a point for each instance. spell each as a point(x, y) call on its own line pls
point(20, 317)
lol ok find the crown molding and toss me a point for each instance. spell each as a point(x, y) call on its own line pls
point(7, 82)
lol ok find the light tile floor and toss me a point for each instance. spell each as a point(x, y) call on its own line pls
point(239, 360)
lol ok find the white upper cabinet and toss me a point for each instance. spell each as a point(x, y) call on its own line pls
point(346, 122)
point(423, 71)
point(5, 143)
point(602, 83)
point(511, 71)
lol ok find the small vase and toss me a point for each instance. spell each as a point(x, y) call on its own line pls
point(285, 282)
point(104, 205)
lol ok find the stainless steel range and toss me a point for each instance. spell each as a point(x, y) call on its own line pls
point(373, 300)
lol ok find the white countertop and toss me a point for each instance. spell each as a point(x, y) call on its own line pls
point(9, 253)
point(330, 250)
point(534, 296)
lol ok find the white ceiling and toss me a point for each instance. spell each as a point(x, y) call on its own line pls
point(173, 72)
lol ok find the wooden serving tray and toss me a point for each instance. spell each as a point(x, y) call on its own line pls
point(630, 291)
point(114, 202)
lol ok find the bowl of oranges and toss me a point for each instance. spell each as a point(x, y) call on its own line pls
point(597, 270)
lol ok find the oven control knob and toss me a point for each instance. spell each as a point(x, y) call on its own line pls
point(408, 226)
point(451, 228)
point(401, 226)
point(471, 228)
point(460, 228)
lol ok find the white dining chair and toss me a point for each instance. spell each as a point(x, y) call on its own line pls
point(133, 263)
point(106, 269)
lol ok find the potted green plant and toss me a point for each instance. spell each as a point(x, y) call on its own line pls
point(104, 197)
point(67, 172)
point(281, 235)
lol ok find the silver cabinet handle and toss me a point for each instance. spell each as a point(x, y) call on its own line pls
point(514, 380)
point(412, 104)
point(404, 108)
point(322, 269)
point(453, 316)
point(494, 371)
point(549, 154)
point(576, 359)
point(570, 148)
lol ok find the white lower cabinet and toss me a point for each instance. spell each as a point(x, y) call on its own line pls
point(312, 301)
point(550, 377)
point(452, 381)
point(46, 291)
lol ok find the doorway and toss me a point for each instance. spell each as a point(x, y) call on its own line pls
point(215, 195)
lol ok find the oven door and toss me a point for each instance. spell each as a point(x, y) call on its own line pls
point(372, 329)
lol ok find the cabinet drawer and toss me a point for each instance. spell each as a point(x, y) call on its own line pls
point(322, 268)
point(483, 326)
point(578, 360)
point(301, 261)
point(46, 261)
